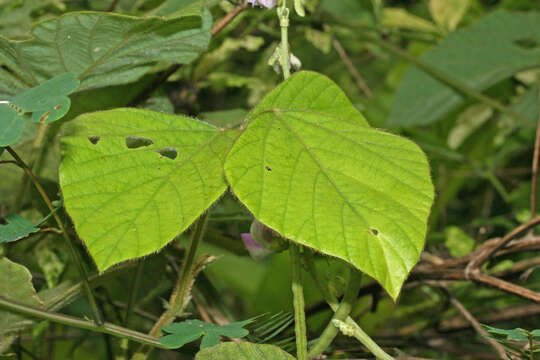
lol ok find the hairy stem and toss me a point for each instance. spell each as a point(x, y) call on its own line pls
point(106, 328)
point(284, 53)
point(179, 297)
point(96, 314)
point(299, 305)
point(341, 314)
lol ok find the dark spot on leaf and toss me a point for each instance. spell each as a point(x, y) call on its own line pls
point(44, 117)
point(58, 107)
point(170, 153)
point(268, 168)
point(135, 142)
point(94, 139)
point(375, 232)
point(3, 221)
point(527, 43)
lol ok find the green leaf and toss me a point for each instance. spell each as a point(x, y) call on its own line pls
point(457, 241)
point(309, 167)
point(190, 330)
point(11, 125)
point(16, 285)
point(16, 228)
point(48, 102)
point(243, 351)
point(448, 13)
point(493, 49)
point(132, 179)
point(516, 334)
point(101, 49)
point(401, 18)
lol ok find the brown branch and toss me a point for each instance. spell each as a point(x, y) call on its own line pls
point(360, 82)
point(113, 5)
point(478, 261)
point(475, 324)
point(226, 20)
point(511, 313)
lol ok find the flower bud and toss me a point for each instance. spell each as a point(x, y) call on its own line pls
point(263, 241)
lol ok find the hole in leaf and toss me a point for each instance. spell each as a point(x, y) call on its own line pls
point(375, 232)
point(170, 153)
point(135, 142)
point(94, 139)
point(527, 43)
point(58, 107)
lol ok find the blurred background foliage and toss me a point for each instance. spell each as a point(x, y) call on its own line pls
point(480, 158)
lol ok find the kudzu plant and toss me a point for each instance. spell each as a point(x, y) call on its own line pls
point(317, 178)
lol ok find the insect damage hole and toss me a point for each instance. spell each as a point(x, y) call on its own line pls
point(527, 43)
point(170, 152)
point(135, 142)
point(374, 231)
point(94, 139)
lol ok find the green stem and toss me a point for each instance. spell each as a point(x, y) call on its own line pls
point(334, 305)
point(179, 297)
point(283, 13)
point(96, 314)
point(297, 287)
point(351, 328)
point(441, 76)
point(299, 305)
point(341, 314)
point(106, 328)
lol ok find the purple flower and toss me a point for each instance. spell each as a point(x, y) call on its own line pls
point(256, 250)
point(269, 4)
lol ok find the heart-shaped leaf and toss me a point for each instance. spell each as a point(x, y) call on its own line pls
point(132, 179)
point(308, 167)
point(243, 351)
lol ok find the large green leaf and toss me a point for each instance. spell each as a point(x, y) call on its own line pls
point(132, 179)
point(16, 285)
point(243, 351)
point(101, 49)
point(309, 167)
point(494, 48)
